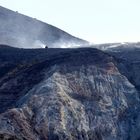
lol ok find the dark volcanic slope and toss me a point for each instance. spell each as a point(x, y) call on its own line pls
point(35, 34)
point(67, 94)
point(15, 58)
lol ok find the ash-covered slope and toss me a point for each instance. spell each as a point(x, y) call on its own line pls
point(22, 31)
point(76, 94)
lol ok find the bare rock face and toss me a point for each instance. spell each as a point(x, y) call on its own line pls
point(128, 60)
point(76, 95)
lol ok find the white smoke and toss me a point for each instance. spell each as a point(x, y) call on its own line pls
point(38, 44)
point(69, 44)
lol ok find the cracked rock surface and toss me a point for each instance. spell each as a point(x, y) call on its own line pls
point(78, 94)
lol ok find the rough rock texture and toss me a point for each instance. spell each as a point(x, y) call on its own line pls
point(74, 95)
point(128, 61)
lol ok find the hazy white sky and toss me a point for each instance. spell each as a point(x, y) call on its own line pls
point(98, 21)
